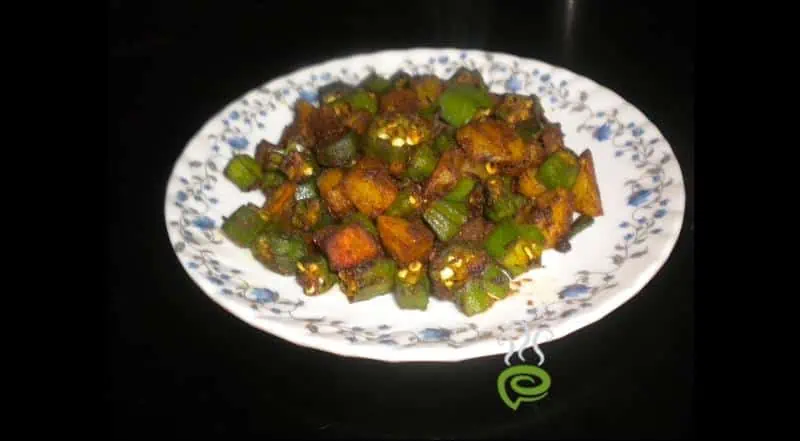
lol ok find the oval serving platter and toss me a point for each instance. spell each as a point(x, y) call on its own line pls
point(640, 183)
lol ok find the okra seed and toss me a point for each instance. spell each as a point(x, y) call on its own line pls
point(447, 273)
point(415, 266)
point(529, 252)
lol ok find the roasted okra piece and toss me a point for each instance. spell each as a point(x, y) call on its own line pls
point(502, 203)
point(279, 251)
point(368, 280)
point(560, 170)
point(244, 171)
point(340, 153)
point(407, 203)
point(244, 225)
point(460, 104)
point(314, 275)
point(393, 138)
point(445, 218)
point(517, 247)
point(412, 287)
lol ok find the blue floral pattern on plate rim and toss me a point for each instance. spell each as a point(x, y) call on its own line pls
point(654, 190)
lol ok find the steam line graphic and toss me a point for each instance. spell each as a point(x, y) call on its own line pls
point(513, 377)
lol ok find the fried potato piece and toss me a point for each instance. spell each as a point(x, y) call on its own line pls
point(327, 125)
point(358, 121)
point(301, 130)
point(552, 138)
point(552, 212)
point(280, 202)
point(399, 101)
point(428, 88)
point(515, 108)
point(446, 174)
point(586, 190)
point(370, 188)
point(492, 141)
point(405, 240)
point(331, 188)
point(347, 246)
point(476, 229)
point(529, 185)
point(560, 203)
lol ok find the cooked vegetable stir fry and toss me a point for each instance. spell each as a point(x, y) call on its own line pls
point(413, 186)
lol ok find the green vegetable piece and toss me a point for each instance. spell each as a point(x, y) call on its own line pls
point(396, 156)
point(478, 294)
point(306, 214)
point(460, 102)
point(429, 112)
point(505, 207)
point(464, 76)
point(401, 80)
point(244, 225)
point(444, 142)
point(377, 84)
point(341, 153)
point(412, 288)
point(363, 100)
point(369, 280)
point(314, 275)
point(274, 160)
point(404, 205)
point(559, 170)
point(472, 298)
point(445, 218)
point(363, 220)
point(503, 202)
point(422, 163)
point(279, 251)
point(272, 179)
point(496, 283)
point(528, 133)
point(334, 91)
point(516, 247)
point(244, 171)
point(460, 193)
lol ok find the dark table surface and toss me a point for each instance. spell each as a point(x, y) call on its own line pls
point(181, 367)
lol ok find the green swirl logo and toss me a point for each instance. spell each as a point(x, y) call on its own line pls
point(529, 383)
point(515, 377)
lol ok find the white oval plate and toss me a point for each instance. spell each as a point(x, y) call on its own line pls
point(640, 183)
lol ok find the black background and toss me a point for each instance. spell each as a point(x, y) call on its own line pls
point(181, 367)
